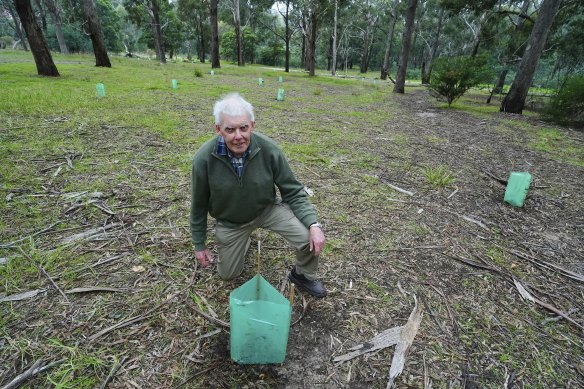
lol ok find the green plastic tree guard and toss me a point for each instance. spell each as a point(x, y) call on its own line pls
point(260, 81)
point(100, 88)
point(280, 79)
point(174, 84)
point(517, 188)
point(280, 96)
point(260, 323)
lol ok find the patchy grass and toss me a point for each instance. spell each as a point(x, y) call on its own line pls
point(119, 166)
point(438, 176)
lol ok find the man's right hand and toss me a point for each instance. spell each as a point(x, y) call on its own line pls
point(204, 257)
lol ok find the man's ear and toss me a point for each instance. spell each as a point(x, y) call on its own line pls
point(217, 128)
point(252, 124)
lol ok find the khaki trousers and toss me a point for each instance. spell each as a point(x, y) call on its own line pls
point(233, 243)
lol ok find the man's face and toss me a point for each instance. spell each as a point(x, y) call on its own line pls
point(237, 132)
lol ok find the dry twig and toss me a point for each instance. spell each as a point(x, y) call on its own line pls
point(35, 369)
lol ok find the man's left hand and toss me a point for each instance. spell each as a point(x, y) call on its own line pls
point(316, 240)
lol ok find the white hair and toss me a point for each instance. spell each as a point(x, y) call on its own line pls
point(232, 105)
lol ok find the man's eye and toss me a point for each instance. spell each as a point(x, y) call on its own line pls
point(244, 128)
point(229, 129)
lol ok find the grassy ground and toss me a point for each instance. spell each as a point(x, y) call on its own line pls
point(94, 192)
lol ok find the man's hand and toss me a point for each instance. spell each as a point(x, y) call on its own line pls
point(204, 257)
point(316, 240)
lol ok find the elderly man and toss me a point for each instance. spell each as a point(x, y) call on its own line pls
point(234, 179)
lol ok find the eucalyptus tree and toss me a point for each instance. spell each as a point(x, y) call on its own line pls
point(14, 23)
point(55, 12)
point(130, 33)
point(215, 62)
point(392, 11)
point(515, 99)
point(568, 40)
point(233, 6)
point(334, 40)
point(369, 17)
point(96, 35)
point(137, 9)
point(284, 9)
point(194, 13)
point(400, 79)
point(38, 45)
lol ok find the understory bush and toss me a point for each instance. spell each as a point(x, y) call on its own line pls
point(566, 107)
point(452, 77)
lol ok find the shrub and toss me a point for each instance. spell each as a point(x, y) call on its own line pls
point(452, 77)
point(6, 41)
point(567, 106)
point(198, 73)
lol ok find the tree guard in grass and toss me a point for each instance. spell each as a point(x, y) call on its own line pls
point(517, 188)
point(260, 323)
point(100, 88)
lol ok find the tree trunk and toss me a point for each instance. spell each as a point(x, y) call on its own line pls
point(427, 69)
point(312, 43)
point(334, 53)
point(515, 99)
point(215, 64)
point(238, 39)
point(99, 49)
point(154, 12)
point(18, 28)
point(55, 13)
point(400, 80)
point(38, 45)
point(499, 85)
point(288, 37)
point(389, 41)
point(42, 15)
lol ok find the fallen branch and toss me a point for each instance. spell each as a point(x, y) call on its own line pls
point(305, 305)
point(98, 263)
point(547, 265)
point(22, 296)
point(95, 289)
point(206, 316)
point(34, 370)
point(407, 336)
point(380, 341)
point(478, 223)
point(42, 270)
point(94, 232)
point(397, 188)
point(402, 336)
point(113, 372)
point(13, 243)
point(147, 315)
point(526, 295)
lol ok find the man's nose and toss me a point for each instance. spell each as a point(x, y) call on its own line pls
point(237, 133)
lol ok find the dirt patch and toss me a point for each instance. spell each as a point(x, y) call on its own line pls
point(459, 248)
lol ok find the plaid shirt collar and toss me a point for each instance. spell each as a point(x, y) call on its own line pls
point(236, 162)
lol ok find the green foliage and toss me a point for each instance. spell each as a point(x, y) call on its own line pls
point(198, 73)
point(6, 41)
point(77, 42)
point(567, 106)
point(438, 177)
point(452, 77)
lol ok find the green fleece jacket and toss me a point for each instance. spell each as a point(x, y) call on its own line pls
point(217, 190)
